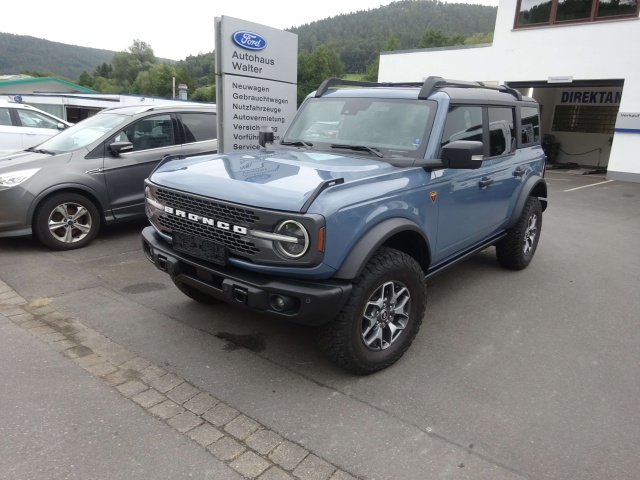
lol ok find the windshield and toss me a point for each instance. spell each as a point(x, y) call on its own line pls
point(393, 127)
point(83, 133)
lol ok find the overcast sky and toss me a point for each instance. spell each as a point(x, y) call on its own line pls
point(174, 30)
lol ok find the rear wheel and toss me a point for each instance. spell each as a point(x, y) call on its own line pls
point(66, 221)
point(381, 318)
point(193, 293)
point(517, 249)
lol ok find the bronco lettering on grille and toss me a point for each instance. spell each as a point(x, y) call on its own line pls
point(206, 221)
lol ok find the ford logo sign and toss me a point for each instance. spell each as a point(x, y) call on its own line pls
point(249, 40)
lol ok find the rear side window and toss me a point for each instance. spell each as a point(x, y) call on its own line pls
point(5, 117)
point(529, 125)
point(199, 127)
point(502, 131)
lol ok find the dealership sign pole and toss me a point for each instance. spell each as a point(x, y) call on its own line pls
point(256, 76)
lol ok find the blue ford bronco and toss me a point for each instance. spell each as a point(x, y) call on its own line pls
point(372, 190)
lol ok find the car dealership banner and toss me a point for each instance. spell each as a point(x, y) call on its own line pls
point(256, 75)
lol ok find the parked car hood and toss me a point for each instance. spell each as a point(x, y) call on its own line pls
point(278, 180)
point(24, 159)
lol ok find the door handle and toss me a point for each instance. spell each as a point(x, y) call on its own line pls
point(518, 172)
point(485, 182)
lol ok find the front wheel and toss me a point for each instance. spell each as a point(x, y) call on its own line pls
point(516, 250)
point(381, 318)
point(66, 221)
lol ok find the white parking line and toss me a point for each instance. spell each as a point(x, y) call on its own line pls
point(586, 186)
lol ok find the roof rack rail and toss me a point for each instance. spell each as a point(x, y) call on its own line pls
point(433, 83)
point(430, 85)
point(333, 81)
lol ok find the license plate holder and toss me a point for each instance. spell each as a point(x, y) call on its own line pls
point(200, 247)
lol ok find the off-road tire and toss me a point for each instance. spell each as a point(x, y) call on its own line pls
point(516, 251)
point(343, 339)
point(193, 293)
point(66, 221)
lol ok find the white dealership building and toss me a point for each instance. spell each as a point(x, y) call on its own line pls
point(577, 59)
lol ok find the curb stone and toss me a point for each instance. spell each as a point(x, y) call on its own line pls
point(243, 444)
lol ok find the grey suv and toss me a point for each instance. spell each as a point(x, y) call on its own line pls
point(62, 190)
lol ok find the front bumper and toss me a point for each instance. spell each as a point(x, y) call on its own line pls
point(308, 303)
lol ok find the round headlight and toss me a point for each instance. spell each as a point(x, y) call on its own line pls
point(298, 242)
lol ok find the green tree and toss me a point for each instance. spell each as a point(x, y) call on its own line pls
point(101, 84)
point(104, 70)
point(315, 67)
point(392, 43)
point(127, 65)
point(204, 94)
point(157, 81)
point(479, 38)
point(432, 38)
point(85, 79)
point(371, 73)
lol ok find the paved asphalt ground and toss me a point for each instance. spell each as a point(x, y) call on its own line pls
point(514, 375)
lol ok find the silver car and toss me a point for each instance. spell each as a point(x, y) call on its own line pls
point(93, 173)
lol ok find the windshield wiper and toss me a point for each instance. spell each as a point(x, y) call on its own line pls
point(359, 148)
point(46, 152)
point(298, 143)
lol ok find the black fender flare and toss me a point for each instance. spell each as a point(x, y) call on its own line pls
point(369, 243)
point(535, 183)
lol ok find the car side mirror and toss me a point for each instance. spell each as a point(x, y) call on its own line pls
point(463, 154)
point(61, 126)
point(116, 148)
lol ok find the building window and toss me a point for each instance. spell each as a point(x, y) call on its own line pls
point(584, 119)
point(553, 12)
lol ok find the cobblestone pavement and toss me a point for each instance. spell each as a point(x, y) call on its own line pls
point(243, 444)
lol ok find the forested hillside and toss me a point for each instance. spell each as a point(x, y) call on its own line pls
point(359, 37)
point(20, 53)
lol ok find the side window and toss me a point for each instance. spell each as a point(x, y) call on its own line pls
point(463, 123)
point(36, 120)
point(199, 127)
point(530, 125)
point(5, 117)
point(502, 131)
point(148, 133)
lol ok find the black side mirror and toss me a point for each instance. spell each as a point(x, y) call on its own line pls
point(116, 148)
point(463, 154)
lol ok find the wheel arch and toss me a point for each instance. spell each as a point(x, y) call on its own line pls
point(398, 233)
point(533, 187)
point(91, 194)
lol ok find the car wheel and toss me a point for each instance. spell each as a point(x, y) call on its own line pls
point(381, 318)
point(517, 249)
point(66, 221)
point(193, 293)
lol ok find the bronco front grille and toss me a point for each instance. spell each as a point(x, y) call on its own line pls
point(219, 211)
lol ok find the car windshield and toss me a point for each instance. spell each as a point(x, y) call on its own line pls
point(82, 134)
point(383, 127)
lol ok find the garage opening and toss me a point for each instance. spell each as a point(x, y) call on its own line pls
point(577, 120)
point(74, 113)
